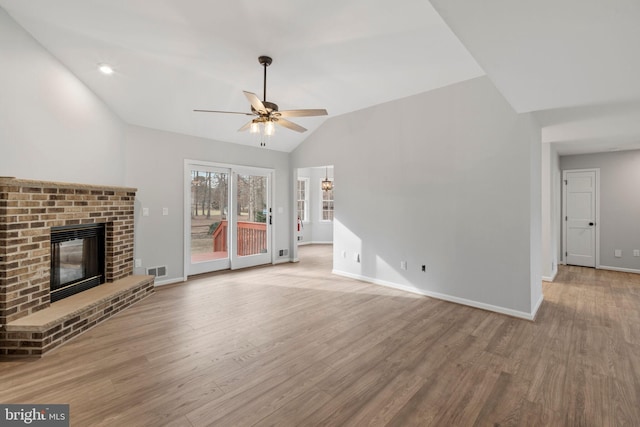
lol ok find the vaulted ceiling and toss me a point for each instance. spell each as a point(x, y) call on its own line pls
point(574, 63)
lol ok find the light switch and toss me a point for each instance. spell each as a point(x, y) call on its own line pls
point(618, 253)
point(165, 211)
point(145, 211)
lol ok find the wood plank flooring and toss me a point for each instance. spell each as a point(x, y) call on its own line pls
point(293, 345)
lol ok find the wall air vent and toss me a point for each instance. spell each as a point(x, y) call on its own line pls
point(160, 271)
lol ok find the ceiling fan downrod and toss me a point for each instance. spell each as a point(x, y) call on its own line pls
point(265, 61)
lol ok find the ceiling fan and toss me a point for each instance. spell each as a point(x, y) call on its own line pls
point(267, 112)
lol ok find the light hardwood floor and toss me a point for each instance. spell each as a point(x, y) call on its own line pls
point(293, 345)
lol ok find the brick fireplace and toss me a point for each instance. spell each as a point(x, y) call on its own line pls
point(29, 323)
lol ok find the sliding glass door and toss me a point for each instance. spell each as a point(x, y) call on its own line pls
point(251, 231)
point(208, 218)
point(227, 217)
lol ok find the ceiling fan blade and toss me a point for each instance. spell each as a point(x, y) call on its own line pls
point(290, 125)
point(225, 112)
point(245, 127)
point(255, 101)
point(303, 113)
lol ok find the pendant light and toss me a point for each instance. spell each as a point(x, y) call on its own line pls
point(326, 184)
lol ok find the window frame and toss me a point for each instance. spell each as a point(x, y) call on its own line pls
point(305, 218)
point(322, 200)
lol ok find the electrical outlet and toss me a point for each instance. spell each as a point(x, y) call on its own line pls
point(356, 257)
point(636, 252)
point(617, 253)
point(138, 262)
point(424, 267)
point(403, 265)
point(344, 254)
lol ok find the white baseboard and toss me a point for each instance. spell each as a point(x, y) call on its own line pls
point(552, 278)
point(624, 270)
point(537, 307)
point(444, 297)
point(168, 281)
point(315, 242)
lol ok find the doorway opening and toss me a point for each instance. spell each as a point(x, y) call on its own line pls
point(314, 207)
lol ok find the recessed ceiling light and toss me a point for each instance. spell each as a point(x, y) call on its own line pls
point(105, 69)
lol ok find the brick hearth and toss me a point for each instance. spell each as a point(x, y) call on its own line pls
point(28, 210)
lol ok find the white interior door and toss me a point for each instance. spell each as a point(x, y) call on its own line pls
point(580, 208)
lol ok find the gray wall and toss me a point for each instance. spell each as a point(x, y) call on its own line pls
point(52, 127)
point(449, 179)
point(619, 204)
point(155, 165)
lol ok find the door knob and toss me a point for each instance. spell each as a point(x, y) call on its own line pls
point(590, 223)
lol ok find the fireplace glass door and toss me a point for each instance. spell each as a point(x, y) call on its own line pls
point(77, 259)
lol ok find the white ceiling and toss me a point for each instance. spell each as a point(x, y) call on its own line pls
point(173, 56)
point(574, 63)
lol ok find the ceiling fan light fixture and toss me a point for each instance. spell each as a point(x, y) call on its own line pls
point(268, 113)
point(269, 128)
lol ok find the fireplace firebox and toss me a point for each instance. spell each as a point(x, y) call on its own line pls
point(77, 259)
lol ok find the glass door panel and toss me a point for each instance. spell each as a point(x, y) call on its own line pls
point(253, 219)
point(252, 215)
point(209, 219)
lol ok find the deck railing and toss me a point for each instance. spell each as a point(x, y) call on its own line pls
point(252, 237)
point(220, 237)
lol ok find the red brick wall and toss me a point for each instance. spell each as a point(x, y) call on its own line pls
point(28, 210)
point(25, 342)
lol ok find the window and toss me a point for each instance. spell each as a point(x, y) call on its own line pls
point(303, 199)
point(327, 204)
